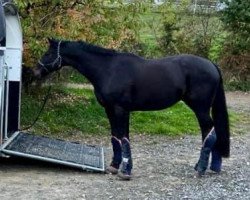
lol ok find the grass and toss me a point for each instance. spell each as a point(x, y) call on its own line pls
point(176, 120)
point(76, 77)
point(70, 75)
point(67, 111)
point(237, 85)
point(71, 111)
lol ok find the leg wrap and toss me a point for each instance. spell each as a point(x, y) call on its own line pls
point(216, 161)
point(207, 147)
point(127, 163)
point(202, 164)
point(117, 152)
point(210, 139)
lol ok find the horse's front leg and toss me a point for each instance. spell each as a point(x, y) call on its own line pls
point(119, 122)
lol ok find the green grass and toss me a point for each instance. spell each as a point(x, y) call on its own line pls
point(67, 111)
point(76, 77)
point(70, 111)
point(176, 120)
point(237, 85)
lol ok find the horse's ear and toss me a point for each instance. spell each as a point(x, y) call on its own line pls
point(52, 41)
point(49, 40)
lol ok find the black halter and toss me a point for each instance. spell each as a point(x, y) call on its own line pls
point(56, 64)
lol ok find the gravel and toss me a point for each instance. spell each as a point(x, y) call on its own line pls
point(163, 169)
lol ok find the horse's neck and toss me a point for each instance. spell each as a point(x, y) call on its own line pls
point(93, 66)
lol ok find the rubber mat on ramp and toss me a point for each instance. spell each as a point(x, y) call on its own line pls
point(63, 152)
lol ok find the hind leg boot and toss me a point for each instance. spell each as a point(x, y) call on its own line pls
point(216, 161)
point(207, 147)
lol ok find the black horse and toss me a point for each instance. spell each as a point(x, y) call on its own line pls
point(124, 82)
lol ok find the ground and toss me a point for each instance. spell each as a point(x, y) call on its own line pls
point(163, 169)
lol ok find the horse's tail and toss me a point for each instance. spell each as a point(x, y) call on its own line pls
point(221, 122)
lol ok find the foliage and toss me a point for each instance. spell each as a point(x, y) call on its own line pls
point(198, 34)
point(102, 22)
point(234, 85)
point(216, 50)
point(143, 28)
point(236, 18)
point(171, 16)
point(175, 29)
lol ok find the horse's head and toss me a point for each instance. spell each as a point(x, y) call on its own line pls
point(50, 61)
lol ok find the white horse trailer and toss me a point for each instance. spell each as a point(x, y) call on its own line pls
point(12, 141)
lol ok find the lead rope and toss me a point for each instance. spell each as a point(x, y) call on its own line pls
point(59, 58)
point(40, 112)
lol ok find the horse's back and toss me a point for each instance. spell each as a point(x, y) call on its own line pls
point(159, 83)
point(195, 70)
point(197, 65)
point(175, 71)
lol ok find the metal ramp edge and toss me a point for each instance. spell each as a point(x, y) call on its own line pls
point(57, 151)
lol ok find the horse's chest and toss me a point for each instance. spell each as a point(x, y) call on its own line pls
point(101, 99)
point(114, 96)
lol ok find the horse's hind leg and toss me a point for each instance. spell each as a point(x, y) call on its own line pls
point(202, 112)
point(208, 138)
point(216, 161)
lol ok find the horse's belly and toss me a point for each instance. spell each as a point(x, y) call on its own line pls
point(154, 103)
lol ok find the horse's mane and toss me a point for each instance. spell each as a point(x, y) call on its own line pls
point(93, 48)
point(96, 49)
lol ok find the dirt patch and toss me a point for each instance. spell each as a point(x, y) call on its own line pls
point(163, 169)
point(239, 101)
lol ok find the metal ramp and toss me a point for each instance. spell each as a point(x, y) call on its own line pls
point(82, 156)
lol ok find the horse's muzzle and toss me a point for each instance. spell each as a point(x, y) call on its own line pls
point(37, 73)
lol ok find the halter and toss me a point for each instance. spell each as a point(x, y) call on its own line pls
point(58, 60)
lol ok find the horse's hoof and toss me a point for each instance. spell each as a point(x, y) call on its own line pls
point(200, 173)
point(124, 176)
point(200, 170)
point(111, 170)
point(196, 167)
point(215, 169)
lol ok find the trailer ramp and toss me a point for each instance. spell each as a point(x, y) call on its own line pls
point(78, 155)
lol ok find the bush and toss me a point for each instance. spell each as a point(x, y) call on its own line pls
point(185, 32)
point(236, 59)
point(108, 23)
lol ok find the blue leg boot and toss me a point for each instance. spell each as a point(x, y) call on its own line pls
point(117, 156)
point(207, 147)
point(216, 161)
point(202, 164)
point(127, 164)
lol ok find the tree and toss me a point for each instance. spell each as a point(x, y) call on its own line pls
point(236, 18)
point(108, 23)
point(236, 15)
